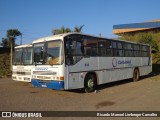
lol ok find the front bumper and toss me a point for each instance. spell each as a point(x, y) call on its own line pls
point(54, 84)
point(21, 78)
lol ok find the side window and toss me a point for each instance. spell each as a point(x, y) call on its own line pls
point(102, 47)
point(79, 48)
point(137, 51)
point(90, 46)
point(117, 48)
point(120, 49)
point(148, 50)
point(145, 50)
point(114, 46)
point(108, 48)
point(128, 49)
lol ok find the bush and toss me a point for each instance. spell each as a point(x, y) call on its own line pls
point(5, 64)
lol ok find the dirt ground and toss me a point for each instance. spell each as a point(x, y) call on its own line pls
point(124, 95)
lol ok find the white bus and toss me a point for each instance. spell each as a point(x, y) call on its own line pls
point(74, 60)
point(21, 68)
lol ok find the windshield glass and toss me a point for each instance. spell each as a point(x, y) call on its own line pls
point(18, 55)
point(48, 53)
point(39, 53)
point(27, 56)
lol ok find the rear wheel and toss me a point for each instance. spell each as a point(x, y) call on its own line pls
point(136, 75)
point(90, 83)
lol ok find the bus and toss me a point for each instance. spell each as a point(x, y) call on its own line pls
point(21, 67)
point(75, 60)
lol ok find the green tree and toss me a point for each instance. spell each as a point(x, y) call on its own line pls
point(78, 29)
point(61, 30)
point(148, 39)
point(5, 43)
point(11, 35)
point(66, 30)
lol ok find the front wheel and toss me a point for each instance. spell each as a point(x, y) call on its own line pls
point(136, 75)
point(90, 83)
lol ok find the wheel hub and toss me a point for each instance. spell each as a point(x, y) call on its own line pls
point(90, 83)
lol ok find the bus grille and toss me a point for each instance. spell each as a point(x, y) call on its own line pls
point(44, 73)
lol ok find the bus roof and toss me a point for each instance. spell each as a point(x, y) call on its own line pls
point(52, 37)
point(61, 36)
point(23, 46)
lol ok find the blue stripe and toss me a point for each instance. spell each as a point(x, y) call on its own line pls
point(57, 85)
point(138, 25)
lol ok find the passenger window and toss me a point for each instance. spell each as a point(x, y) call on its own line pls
point(145, 51)
point(109, 48)
point(117, 49)
point(137, 51)
point(90, 46)
point(114, 45)
point(119, 45)
point(128, 50)
point(102, 47)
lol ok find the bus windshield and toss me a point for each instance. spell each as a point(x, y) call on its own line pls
point(48, 53)
point(27, 56)
point(23, 56)
point(18, 55)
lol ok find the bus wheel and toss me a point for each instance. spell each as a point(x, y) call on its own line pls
point(136, 75)
point(89, 83)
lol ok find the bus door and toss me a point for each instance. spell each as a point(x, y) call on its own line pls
point(73, 56)
point(80, 57)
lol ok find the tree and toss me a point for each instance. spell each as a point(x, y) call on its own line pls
point(11, 35)
point(61, 30)
point(148, 39)
point(78, 29)
point(66, 30)
point(5, 43)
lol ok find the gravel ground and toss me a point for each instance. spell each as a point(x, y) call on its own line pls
point(124, 95)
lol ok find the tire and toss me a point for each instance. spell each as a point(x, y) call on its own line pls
point(90, 83)
point(136, 75)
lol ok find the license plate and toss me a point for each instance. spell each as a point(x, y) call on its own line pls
point(44, 85)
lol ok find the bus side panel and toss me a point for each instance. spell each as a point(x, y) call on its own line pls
point(105, 63)
point(132, 62)
point(77, 72)
point(66, 76)
point(146, 61)
point(146, 66)
point(108, 69)
point(145, 70)
point(102, 77)
point(117, 68)
point(120, 74)
point(114, 75)
point(76, 80)
point(86, 64)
